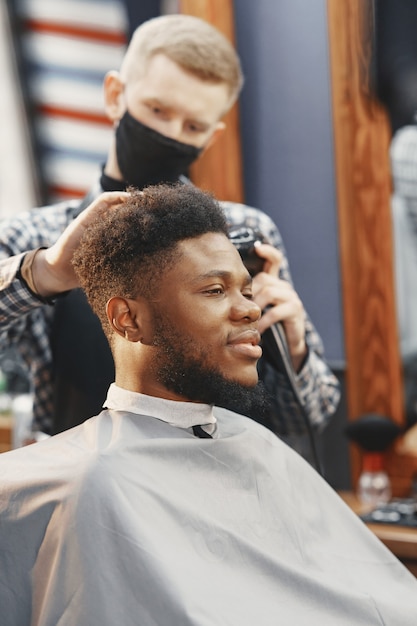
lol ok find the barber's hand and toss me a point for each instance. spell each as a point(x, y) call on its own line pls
point(52, 269)
point(282, 301)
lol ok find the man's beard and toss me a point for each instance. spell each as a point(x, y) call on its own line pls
point(182, 367)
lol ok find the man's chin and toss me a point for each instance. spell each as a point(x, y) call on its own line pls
point(250, 400)
point(182, 367)
point(246, 376)
point(247, 382)
point(206, 385)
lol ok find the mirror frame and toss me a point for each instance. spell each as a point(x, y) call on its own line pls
point(362, 137)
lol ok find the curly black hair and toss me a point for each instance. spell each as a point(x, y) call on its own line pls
point(125, 251)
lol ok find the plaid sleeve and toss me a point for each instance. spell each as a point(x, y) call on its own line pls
point(27, 231)
point(16, 299)
point(317, 387)
point(25, 319)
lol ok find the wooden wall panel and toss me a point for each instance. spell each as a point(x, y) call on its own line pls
point(363, 179)
point(219, 170)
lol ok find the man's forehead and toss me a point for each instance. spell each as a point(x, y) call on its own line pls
point(165, 80)
point(207, 243)
point(207, 253)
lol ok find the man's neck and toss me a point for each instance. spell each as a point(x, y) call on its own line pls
point(179, 414)
point(108, 183)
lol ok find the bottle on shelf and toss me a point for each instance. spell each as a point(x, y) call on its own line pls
point(374, 485)
point(374, 434)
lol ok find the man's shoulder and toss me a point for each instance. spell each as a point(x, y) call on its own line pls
point(237, 210)
point(61, 450)
point(46, 221)
point(62, 210)
point(231, 423)
point(41, 225)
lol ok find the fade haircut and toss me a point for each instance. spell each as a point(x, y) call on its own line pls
point(125, 251)
point(189, 41)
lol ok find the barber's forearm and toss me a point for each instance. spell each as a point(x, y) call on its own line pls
point(16, 300)
point(319, 390)
point(49, 277)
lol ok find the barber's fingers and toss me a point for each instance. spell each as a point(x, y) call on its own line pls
point(269, 290)
point(57, 258)
point(280, 303)
point(286, 311)
point(291, 314)
point(103, 202)
point(272, 257)
point(71, 236)
point(278, 300)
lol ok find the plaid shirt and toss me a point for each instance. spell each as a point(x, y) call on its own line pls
point(25, 320)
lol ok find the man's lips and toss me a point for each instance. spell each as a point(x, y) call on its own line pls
point(246, 343)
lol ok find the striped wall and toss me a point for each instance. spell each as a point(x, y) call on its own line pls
point(67, 46)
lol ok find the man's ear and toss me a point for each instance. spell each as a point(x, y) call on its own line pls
point(114, 103)
point(219, 130)
point(124, 316)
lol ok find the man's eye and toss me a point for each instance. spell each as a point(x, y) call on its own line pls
point(156, 110)
point(248, 295)
point(195, 128)
point(215, 290)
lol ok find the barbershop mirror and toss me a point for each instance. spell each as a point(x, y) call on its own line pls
point(362, 133)
point(395, 71)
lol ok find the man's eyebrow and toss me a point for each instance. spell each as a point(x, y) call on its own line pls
point(152, 101)
point(221, 274)
point(155, 100)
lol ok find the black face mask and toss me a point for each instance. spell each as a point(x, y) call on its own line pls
point(146, 157)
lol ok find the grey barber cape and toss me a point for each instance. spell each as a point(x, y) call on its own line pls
point(130, 519)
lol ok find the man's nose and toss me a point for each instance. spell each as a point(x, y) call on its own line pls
point(244, 308)
point(173, 129)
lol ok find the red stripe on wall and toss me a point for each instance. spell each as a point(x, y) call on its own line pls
point(84, 116)
point(59, 191)
point(81, 32)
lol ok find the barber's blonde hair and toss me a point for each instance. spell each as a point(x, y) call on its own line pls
point(192, 43)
